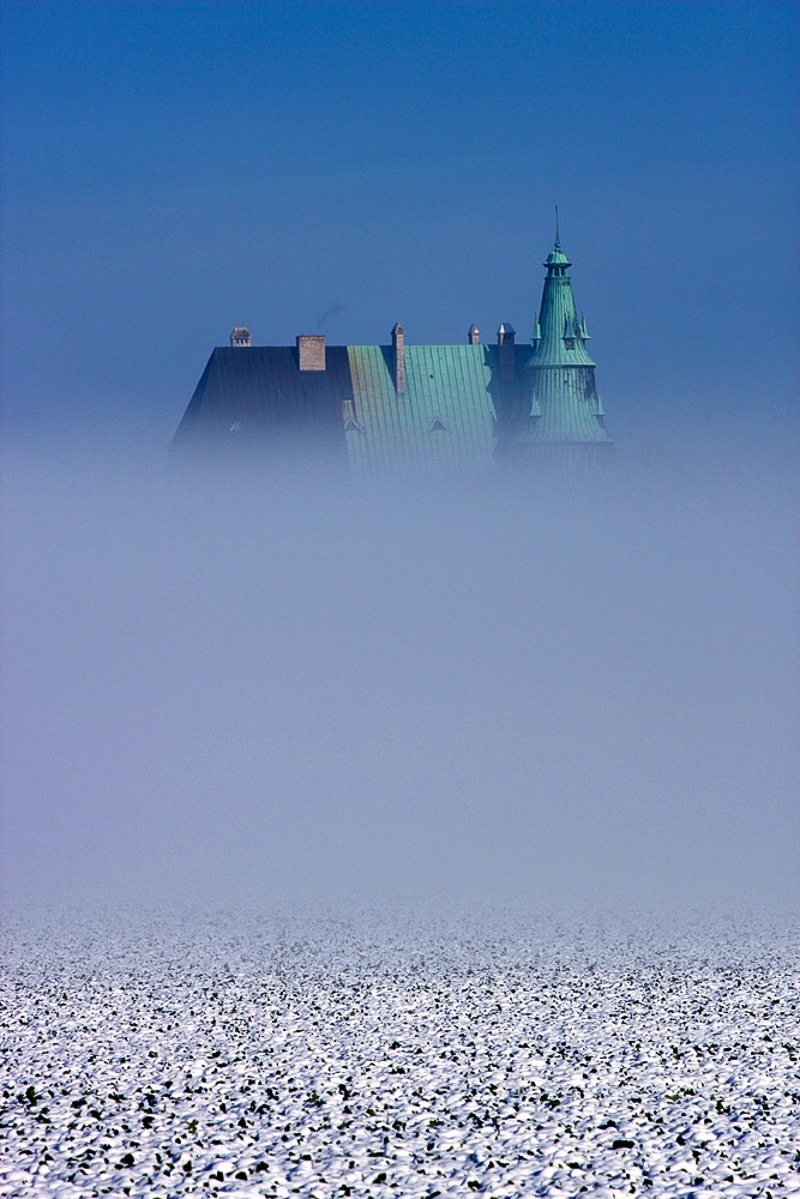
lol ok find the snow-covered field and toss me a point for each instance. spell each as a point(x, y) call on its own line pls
point(398, 1054)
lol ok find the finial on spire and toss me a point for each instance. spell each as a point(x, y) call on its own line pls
point(558, 236)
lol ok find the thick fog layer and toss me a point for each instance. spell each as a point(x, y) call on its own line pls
point(228, 691)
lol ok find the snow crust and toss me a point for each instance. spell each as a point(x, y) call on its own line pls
point(398, 1054)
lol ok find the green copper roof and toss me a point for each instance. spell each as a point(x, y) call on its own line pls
point(561, 341)
point(443, 423)
point(565, 409)
point(557, 256)
point(559, 404)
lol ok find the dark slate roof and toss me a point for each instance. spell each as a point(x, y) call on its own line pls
point(256, 396)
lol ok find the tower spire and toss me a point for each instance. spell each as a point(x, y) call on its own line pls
point(560, 341)
point(557, 408)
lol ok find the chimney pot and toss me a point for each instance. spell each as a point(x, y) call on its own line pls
point(311, 351)
point(399, 356)
point(240, 336)
point(506, 351)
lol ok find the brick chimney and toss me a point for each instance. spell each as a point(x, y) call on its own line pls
point(240, 336)
point(506, 352)
point(311, 351)
point(474, 336)
point(399, 359)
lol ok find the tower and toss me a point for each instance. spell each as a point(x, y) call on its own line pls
point(558, 416)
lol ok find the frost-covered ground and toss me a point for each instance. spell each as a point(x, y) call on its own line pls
point(395, 1054)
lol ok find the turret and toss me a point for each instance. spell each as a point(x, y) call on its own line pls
point(557, 405)
point(560, 340)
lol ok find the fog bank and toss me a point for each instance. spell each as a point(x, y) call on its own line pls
point(244, 690)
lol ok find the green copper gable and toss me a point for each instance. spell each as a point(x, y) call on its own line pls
point(442, 424)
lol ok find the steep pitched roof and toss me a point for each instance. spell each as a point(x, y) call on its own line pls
point(560, 332)
point(443, 411)
point(442, 424)
point(563, 407)
point(257, 396)
point(566, 409)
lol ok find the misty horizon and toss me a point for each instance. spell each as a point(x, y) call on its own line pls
point(223, 689)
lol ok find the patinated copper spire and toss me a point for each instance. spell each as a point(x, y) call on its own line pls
point(559, 404)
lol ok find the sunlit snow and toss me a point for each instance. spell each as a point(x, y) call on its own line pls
point(398, 1053)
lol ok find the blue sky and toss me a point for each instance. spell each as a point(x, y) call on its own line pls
point(170, 170)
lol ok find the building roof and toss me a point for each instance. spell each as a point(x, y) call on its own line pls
point(565, 409)
point(563, 405)
point(258, 395)
point(444, 421)
point(558, 324)
point(408, 410)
